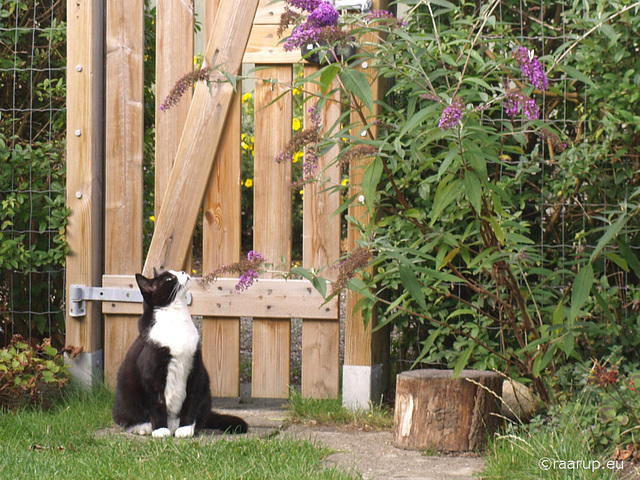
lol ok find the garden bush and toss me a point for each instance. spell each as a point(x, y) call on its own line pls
point(501, 181)
point(32, 177)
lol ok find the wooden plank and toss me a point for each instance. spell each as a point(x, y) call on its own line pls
point(221, 243)
point(265, 47)
point(221, 354)
point(362, 347)
point(174, 58)
point(200, 139)
point(124, 143)
point(321, 248)
point(272, 224)
point(265, 299)
point(84, 163)
point(269, 12)
point(271, 359)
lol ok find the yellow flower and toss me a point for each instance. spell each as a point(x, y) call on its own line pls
point(345, 182)
point(297, 156)
point(248, 183)
point(296, 124)
point(296, 91)
point(302, 193)
point(246, 97)
point(152, 218)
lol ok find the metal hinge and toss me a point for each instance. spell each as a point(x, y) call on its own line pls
point(79, 294)
point(361, 5)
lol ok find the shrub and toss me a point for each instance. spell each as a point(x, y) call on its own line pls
point(31, 376)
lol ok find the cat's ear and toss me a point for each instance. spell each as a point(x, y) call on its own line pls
point(143, 282)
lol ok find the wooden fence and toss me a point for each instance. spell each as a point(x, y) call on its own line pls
point(197, 168)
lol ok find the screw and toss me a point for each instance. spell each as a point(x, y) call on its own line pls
point(78, 68)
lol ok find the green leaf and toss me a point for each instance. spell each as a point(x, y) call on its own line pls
point(447, 191)
point(327, 76)
point(581, 289)
point(629, 256)
point(412, 285)
point(370, 180)
point(463, 360)
point(473, 189)
point(357, 83)
point(541, 361)
point(577, 75)
point(610, 233)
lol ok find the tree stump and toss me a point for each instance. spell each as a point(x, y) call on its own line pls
point(438, 412)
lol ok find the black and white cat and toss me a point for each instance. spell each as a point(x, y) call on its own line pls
point(162, 386)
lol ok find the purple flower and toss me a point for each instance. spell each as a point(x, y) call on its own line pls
point(531, 68)
point(322, 15)
point(515, 102)
point(451, 115)
point(308, 5)
point(254, 256)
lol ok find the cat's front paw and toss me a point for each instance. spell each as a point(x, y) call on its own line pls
point(141, 429)
point(185, 431)
point(161, 432)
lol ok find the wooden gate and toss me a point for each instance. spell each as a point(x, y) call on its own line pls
point(197, 167)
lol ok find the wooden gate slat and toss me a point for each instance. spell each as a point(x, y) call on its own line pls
point(321, 247)
point(272, 223)
point(124, 108)
point(221, 229)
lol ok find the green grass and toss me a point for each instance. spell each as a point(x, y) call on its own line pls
point(560, 450)
point(63, 444)
point(331, 412)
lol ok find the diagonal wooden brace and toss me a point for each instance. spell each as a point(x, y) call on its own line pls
point(200, 138)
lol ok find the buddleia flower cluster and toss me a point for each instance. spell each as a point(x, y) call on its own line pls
point(181, 86)
point(320, 24)
point(531, 68)
point(451, 115)
point(248, 270)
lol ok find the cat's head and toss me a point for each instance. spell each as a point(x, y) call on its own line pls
point(164, 287)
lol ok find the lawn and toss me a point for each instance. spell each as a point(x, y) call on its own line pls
point(63, 444)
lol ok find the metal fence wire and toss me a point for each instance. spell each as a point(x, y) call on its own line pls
point(32, 212)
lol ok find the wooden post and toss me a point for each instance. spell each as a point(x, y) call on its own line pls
point(200, 138)
point(321, 247)
point(438, 412)
point(124, 145)
point(272, 224)
point(84, 177)
point(221, 231)
point(365, 352)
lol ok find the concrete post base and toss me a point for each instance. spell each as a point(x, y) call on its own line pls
point(86, 368)
point(361, 386)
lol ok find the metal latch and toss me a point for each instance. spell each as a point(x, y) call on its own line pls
point(79, 294)
point(361, 5)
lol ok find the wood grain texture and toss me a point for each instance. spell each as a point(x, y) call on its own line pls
point(265, 47)
point(221, 229)
point(124, 104)
point(271, 358)
point(321, 248)
point(221, 354)
point(272, 223)
point(434, 411)
point(266, 298)
point(362, 347)
point(200, 139)
point(124, 143)
point(84, 163)
point(174, 58)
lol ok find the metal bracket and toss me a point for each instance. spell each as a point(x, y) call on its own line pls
point(79, 294)
point(361, 5)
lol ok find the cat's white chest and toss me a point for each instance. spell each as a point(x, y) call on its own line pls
point(174, 329)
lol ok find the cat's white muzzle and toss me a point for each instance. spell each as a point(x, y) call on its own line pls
point(183, 279)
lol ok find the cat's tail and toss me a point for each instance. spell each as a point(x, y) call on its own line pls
point(227, 423)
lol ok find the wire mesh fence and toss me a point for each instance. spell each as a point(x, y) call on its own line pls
point(32, 213)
